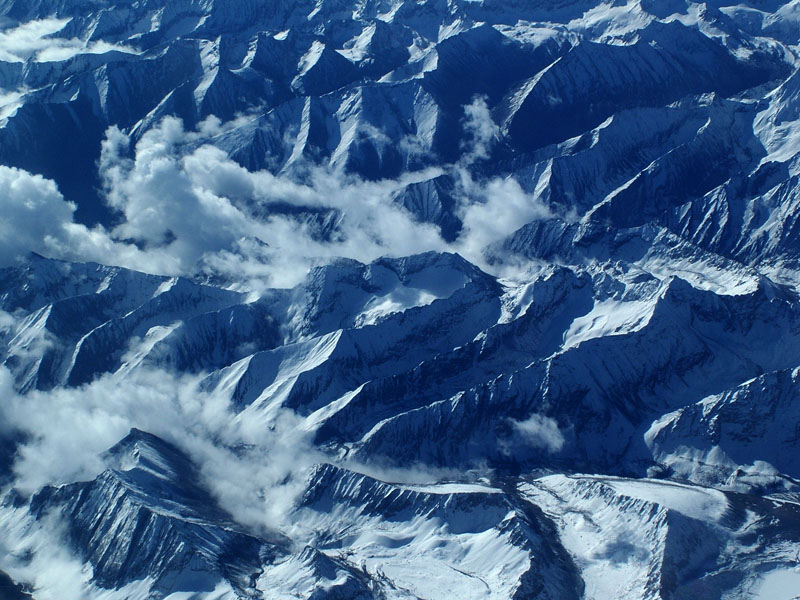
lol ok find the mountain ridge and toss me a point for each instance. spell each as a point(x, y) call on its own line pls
point(399, 299)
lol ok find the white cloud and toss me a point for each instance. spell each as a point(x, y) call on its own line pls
point(35, 552)
point(255, 472)
point(33, 212)
point(198, 207)
point(482, 132)
point(195, 210)
point(498, 208)
point(190, 209)
point(37, 40)
point(7, 322)
point(204, 210)
point(37, 218)
point(539, 431)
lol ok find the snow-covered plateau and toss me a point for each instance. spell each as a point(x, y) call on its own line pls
point(399, 299)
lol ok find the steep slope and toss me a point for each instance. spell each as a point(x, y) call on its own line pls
point(736, 439)
point(145, 517)
point(652, 539)
point(376, 89)
point(472, 539)
point(87, 319)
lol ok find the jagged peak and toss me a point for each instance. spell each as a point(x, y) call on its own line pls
point(144, 452)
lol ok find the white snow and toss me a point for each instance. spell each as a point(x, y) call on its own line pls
point(608, 318)
point(704, 504)
point(780, 584)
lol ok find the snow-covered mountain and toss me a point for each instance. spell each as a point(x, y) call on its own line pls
point(399, 299)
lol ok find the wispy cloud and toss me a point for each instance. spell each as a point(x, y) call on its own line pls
point(482, 132)
point(188, 209)
point(39, 41)
point(254, 471)
point(539, 431)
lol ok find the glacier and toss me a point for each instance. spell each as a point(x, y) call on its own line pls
point(399, 299)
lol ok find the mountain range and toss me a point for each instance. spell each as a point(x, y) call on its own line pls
point(399, 299)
